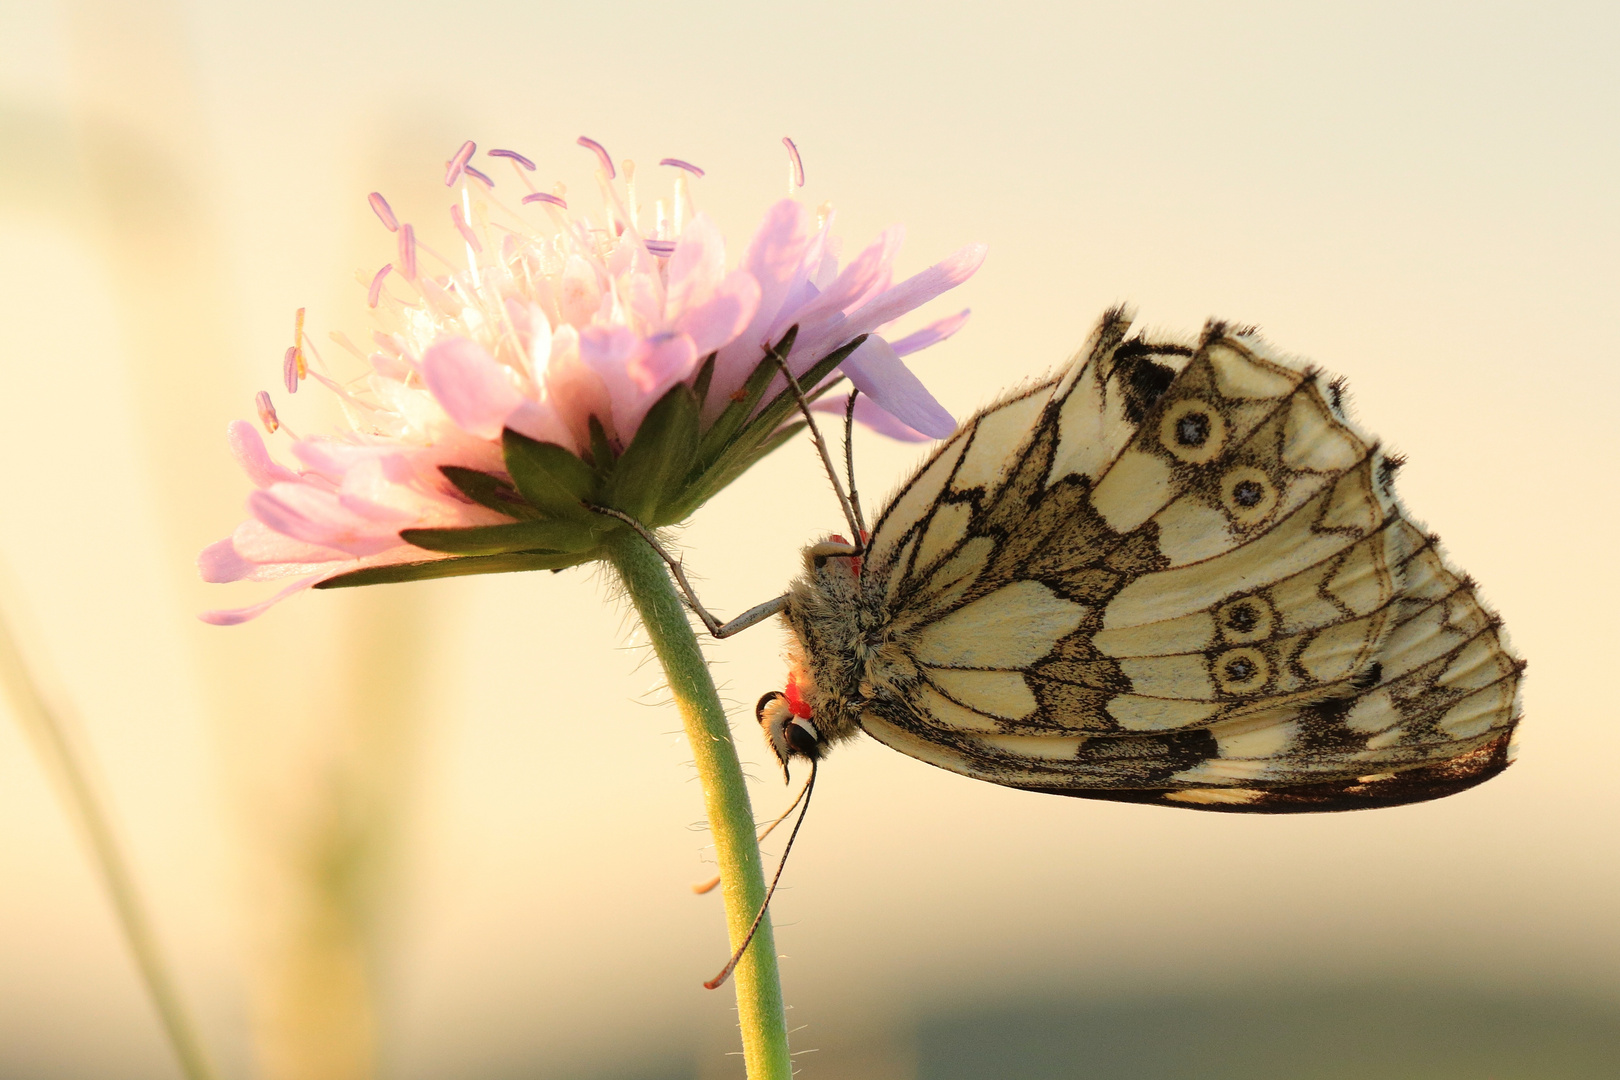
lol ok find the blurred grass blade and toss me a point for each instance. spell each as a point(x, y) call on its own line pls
point(50, 730)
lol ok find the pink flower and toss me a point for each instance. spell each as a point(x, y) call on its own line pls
point(567, 335)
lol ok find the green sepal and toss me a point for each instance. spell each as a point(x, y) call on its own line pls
point(705, 487)
point(705, 375)
point(744, 401)
point(776, 412)
point(551, 536)
point(739, 454)
point(490, 491)
point(551, 478)
point(602, 455)
point(443, 568)
point(653, 466)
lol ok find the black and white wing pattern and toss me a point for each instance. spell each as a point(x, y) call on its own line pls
point(1173, 574)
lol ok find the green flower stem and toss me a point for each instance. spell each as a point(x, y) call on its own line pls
point(725, 796)
point(50, 735)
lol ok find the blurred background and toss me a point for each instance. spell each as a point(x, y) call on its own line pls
point(447, 829)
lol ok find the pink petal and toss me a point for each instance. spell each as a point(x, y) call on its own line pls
point(257, 543)
point(474, 390)
point(853, 283)
point(666, 360)
point(917, 290)
point(573, 389)
point(872, 415)
point(316, 517)
point(579, 293)
point(877, 372)
point(932, 334)
point(697, 267)
point(776, 252)
point(220, 563)
point(235, 616)
point(609, 351)
point(253, 457)
point(723, 317)
point(774, 259)
point(540, 422)
point(533, 330)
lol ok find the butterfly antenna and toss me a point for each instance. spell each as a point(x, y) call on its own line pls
point(821, 448)
point(706, 886)
point(725, 972)
point(849, 463)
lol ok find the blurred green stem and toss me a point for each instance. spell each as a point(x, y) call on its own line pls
point(725, 796)
point(49, 733)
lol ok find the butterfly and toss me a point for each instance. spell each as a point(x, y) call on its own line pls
point(1172, 574)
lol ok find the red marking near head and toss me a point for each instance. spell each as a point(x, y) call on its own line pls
point(854, 560)
point(795, 701)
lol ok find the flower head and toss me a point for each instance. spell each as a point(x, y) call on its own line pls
point(567, 363)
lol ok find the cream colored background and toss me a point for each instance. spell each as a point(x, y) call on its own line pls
point(468, 795)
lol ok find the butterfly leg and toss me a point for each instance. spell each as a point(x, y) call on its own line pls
point(756, 614)
point(821, 445)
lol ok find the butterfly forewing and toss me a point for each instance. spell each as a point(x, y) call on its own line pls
point(1169, 574)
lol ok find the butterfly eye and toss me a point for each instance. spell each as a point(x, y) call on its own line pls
point(1241, 671)
point(803, 739)
point(1248, 495)
point(1193, 431)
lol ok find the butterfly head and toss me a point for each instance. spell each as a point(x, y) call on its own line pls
point(789, 724)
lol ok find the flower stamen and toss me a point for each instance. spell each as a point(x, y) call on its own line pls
point(456, 165)
point(512, 155)
point(407, 252)
point(679, 164)
point(384, 212)
point(374, 294)
point(601, 155)
point(267, 411)
point(467, 234)
point(298, 343)
point(795, 165)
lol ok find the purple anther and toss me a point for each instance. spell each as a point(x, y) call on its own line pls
point(461, 227)
point(514, 156)
point(661, 248)
point(384, 212)
point(798, 162)
point(407, 252)
point(267, 411)
point(374, 294)
point(679, 164)
point(601, 155)
point(289, 369)
point(541, 196)
point(476, 175)
point(452, 171)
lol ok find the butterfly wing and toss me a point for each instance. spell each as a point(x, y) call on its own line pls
point(1181, 574)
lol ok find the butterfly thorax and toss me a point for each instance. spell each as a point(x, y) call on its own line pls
point(842, 655)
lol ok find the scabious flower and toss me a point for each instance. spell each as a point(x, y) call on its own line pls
point(569, 363)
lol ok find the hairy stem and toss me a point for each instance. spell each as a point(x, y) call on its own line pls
point(725, 796)
point(50, 734)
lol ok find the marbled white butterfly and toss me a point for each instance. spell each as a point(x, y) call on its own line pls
point(1170, 574)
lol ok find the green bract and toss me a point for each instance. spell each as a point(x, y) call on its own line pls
point(672, 466)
